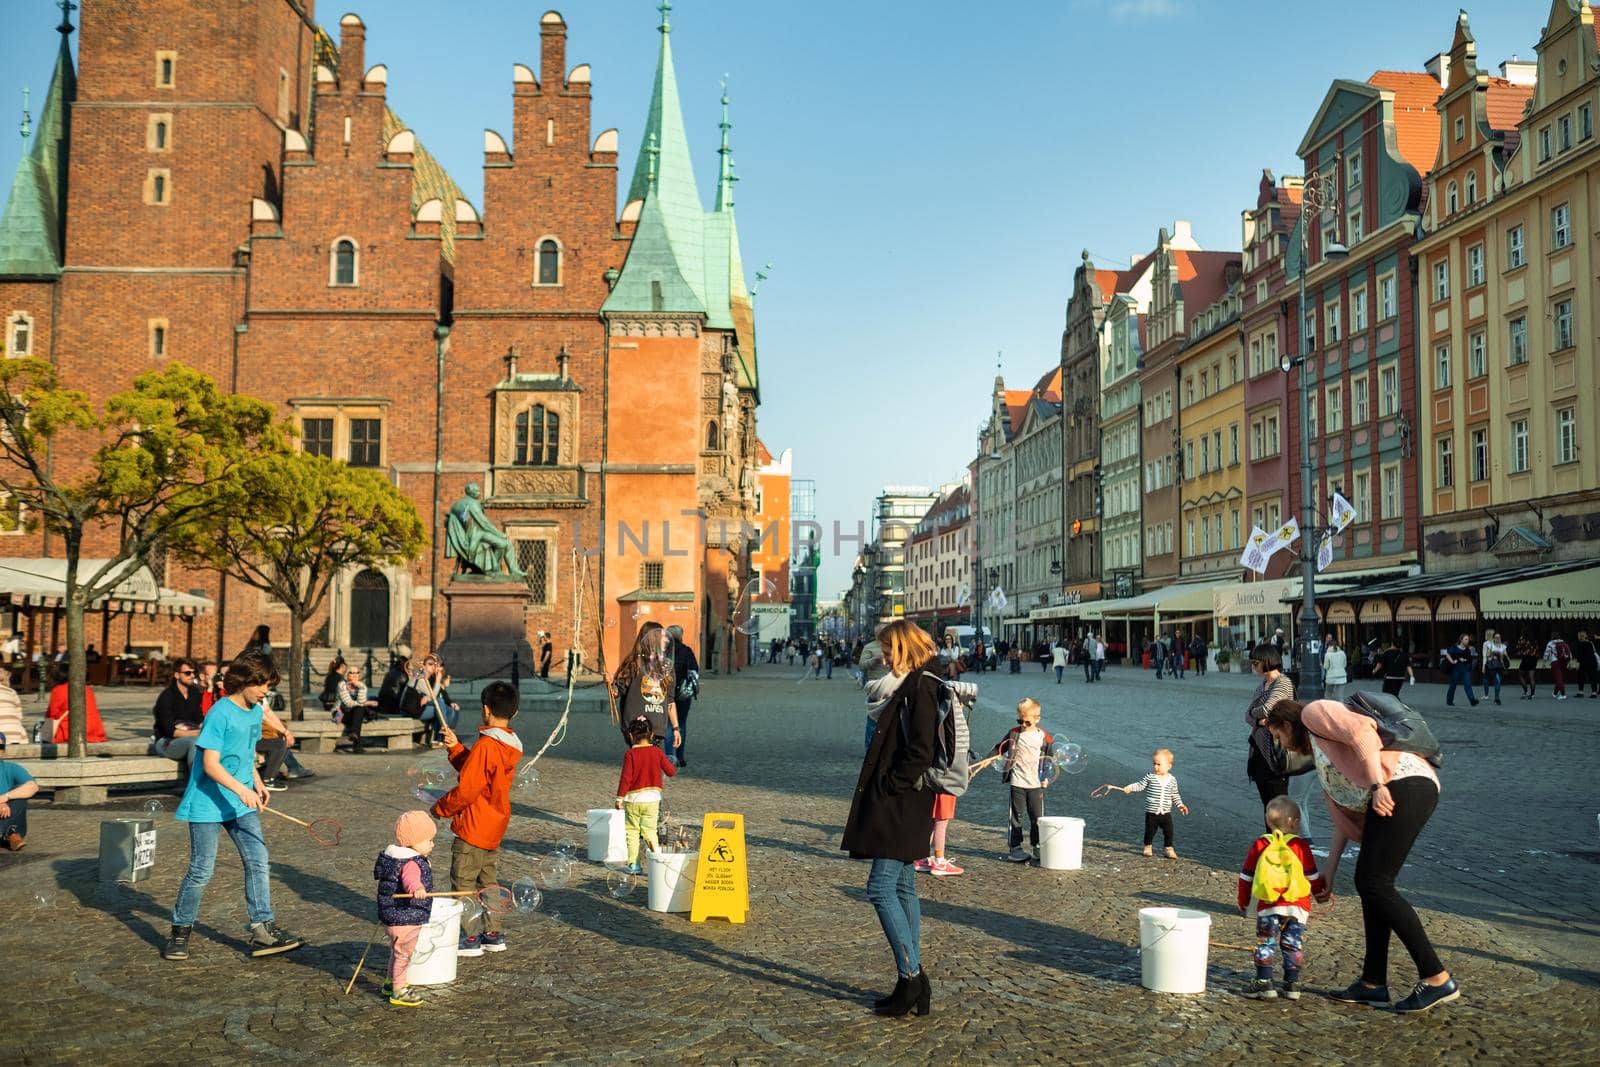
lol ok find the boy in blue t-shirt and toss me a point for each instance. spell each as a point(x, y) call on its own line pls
point(226, 793)
point(16, 786)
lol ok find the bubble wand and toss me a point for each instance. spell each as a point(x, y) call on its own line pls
point(325, 832)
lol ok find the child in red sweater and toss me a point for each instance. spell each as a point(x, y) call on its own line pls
point(1276, 884)
point(639, 789)
point(479, 809)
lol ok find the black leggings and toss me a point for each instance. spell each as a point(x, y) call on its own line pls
point(1385, 844)
point(683, 726)
point(1269, 785)
point(1152, 822)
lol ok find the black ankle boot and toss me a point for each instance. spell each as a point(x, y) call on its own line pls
point(912, 995)
point(899, 991)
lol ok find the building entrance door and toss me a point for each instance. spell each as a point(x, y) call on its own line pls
point(369, 610)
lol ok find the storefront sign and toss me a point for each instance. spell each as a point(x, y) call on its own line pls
point(1575, 595)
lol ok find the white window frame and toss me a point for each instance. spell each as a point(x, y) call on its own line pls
point(1452, 201)
point(1359, 411)
point(1333, 402)
point(1388, 297)
point(1475, 266)
point(1566, 435)
point(19, 318)
point(1477, 354)
point(1362, 488)
point(1544, 144)
point(1441, 279)
point(1585, 122)
point(1561, 332)
point(1471, 186)
point(1333, 321)
point(1516, 252)
point(1478, 449)
point(1560, 226)
point(1517, 341)
point(1353, 231)
point(1564, 132)
point(1519, 446)
point(1313, 409)
point(1352, 170)
point(561, 262)
point(1388, 390)
point(1444, 463)
point(1358, 310)
point(1389, 504)
point(1441, 366)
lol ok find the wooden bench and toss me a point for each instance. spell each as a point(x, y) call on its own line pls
point(322, 734)
point(78, 782)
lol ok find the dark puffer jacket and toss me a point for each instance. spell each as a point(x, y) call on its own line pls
point(891, 816)
point(392, 912)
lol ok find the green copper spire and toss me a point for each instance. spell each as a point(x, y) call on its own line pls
point(669, 243)
point(32, 230)
point(725, 176)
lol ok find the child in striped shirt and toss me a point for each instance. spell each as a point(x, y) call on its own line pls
point(1161, 795)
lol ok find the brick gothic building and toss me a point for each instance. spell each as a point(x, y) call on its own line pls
point(233, 192)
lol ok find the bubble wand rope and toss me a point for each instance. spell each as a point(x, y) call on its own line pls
point(558, 733)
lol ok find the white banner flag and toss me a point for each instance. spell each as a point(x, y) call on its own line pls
point(1258, 550)
point(1343, 513)
point(1288, 533)
point(997, 599)
point(1325, 551)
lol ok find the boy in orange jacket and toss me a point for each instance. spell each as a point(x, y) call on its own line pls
point(479, 809)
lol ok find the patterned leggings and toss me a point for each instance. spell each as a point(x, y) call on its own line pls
point(1273, 930)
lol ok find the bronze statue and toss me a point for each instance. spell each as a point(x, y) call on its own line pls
point(473, 541)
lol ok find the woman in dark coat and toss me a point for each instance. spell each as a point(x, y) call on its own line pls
point(891, 815)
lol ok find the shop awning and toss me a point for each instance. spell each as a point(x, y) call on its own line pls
point(1463, 585)
point(1245, 599)
point(1340, 611)
point(43, 583)
point(1178, 598)
point(1572, 595)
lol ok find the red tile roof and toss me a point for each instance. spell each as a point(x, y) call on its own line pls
point(762, 454)
point(1416, 122)
point(1017, 407)
point(1203, 278)
point(1503, 103)
point(1049, 386)
point(1106, 282)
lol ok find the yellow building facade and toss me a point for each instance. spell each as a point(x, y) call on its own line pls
point(1508, 355)
point(1211, 377)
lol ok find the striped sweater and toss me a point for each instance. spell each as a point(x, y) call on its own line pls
point(1160, 793)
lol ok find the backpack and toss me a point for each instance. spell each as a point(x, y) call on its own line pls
point(949, 772)
point(1400, 728)
point(1280, 875)
point(1563, 653)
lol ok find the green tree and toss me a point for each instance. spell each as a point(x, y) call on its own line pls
point(151, 466)
point(308, 519)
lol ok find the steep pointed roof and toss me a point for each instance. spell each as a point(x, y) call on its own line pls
point(31, 228)
point(664, 172)
point(652, 279)
point(726, 278)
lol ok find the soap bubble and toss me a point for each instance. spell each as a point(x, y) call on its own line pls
point(526, 895)
point(428, 797)
point(746, 619)
point(555, 871)
point(527, 779)
point(428, 776)
point(1002, 766)
point(44, 898)
point(1048, 770)
point(611, 622)
point(621, 882)
point(153, 806)
point(568, 846)
point(472, 910)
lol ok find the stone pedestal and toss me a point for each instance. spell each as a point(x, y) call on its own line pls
point(486, 624)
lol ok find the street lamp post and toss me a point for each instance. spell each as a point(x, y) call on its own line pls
point(1320, 194)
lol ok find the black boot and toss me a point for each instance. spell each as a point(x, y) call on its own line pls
point(913, 994)
point(899, 991)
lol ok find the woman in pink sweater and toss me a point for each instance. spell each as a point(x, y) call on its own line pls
point(1380, 799)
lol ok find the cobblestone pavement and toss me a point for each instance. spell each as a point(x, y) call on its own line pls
point(1027, 965)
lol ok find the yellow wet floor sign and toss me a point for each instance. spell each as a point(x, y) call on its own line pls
point(721, 882)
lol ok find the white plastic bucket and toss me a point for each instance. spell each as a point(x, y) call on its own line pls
point(608, 836)
point(434, 960)
point(1173, 944)
point(1060, 843)
point(671, 874)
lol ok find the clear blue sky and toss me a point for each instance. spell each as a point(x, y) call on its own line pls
point(922, 175)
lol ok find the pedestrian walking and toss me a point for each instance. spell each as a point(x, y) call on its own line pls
point(1460, 658)
point(1494, 663)
point(1335, 670)
point(1099, 656)
point(1058, 659)
point(1380, 799)
point(1587, 658)
point(644, 686)
point(1197, 653)
point(686, 673)
point(891, 818)
point(547, 652)
point(1395, 663)
point(1527, 666)
point(1559, 653)
point(1266, 765)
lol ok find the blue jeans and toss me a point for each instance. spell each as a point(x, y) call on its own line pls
point(431, 713)
point(203, 837)
point(1059, 671)
point(1492, 676)
point(1460, 676)
point(892, 889)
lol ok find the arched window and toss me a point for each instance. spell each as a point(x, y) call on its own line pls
point(369, 610)
point(538, 437)
point(1450, 199)
point(549, 262)
point(1472, 187)
point(345, 255)
point(161, 135)
point(713, 439)
point(19, 334)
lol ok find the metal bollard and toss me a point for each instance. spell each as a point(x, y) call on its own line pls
point(367, 669)
point(305, 672)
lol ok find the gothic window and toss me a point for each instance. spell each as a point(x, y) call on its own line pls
point(166, 62)
point(342, 270)
point(158, 338)
point(538, 437)
point(713, 442)
point(158, 186)
point(549, 262)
